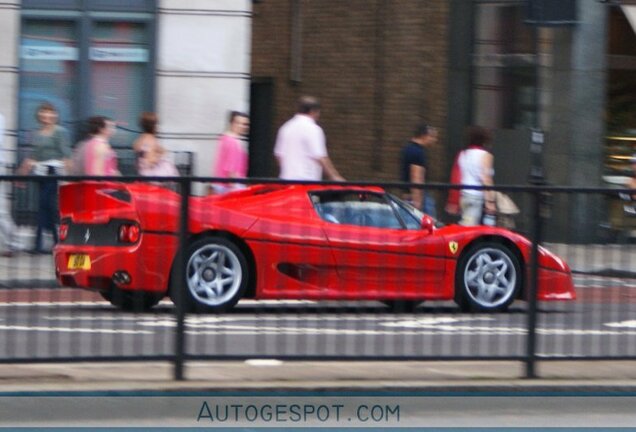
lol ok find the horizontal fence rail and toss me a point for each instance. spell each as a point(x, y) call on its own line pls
point(318, 271)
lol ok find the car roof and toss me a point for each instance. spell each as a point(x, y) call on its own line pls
point(264, 189)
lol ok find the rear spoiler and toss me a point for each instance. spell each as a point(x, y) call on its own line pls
point(95, 201)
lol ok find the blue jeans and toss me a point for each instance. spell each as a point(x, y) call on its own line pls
point(47, 212)
point(428, 206)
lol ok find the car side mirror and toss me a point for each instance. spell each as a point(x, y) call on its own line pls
point(428, 224)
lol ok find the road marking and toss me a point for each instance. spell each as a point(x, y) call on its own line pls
point(263, 362)
point(206, 327)
point(72, 329)
point(52, 304)
point(622, 324)
point(433, 321)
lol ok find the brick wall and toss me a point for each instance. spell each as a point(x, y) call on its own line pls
point(379, 67)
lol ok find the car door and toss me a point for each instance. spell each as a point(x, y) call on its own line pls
point(291, 252)
point(377, 254)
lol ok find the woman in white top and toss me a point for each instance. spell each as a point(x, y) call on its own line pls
point(476, 166)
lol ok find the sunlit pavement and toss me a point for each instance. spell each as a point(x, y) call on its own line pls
point(619, 376)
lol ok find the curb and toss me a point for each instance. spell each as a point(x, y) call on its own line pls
point(337, 389)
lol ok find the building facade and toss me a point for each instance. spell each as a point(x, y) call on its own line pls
point(379, 67)
point(188, 61)
point(514, 66)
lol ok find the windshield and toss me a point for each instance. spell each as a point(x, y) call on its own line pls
point(411, 215)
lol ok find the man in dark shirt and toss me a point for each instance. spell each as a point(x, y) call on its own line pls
point(414, 164)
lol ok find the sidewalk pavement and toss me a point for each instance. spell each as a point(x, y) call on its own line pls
point(458, 376)
point(610, 260)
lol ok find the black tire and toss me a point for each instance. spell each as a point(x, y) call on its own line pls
point(488, 278)
point(132, 301)
point(402, 306)
point(216, 275)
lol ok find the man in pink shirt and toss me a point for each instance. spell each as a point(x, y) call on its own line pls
point(231, 156)
point(301, 147)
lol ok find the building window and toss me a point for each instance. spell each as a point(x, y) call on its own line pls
point(504, 64)
point(119, 58)
point(90, 57)
point(49, 57)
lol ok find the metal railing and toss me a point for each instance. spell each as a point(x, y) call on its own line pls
point(24, 194)
point(43, 324)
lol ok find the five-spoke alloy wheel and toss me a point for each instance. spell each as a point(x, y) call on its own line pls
point(488, 278)
point(216, 275)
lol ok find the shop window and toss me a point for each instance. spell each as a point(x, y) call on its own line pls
point(96, 59)
point(119, 55)
point(49, 57)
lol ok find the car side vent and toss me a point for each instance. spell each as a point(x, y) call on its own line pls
point(120, 194)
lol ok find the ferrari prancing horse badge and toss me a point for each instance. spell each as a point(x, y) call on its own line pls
point(453, 246)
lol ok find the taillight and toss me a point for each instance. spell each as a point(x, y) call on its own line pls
point(63, 231)
point(129, 233)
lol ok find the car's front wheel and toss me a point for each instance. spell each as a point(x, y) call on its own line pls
point(216, 275)
point(488, 278)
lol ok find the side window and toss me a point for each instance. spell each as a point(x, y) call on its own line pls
point(356, 208)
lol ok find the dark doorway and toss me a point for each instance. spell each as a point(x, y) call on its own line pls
point(261, 145)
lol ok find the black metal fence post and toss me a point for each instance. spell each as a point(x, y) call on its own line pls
point(178, 282)
point(532, 286)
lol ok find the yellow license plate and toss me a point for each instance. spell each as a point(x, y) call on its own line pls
point(79, 261)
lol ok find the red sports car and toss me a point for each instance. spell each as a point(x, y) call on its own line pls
point(288, 242)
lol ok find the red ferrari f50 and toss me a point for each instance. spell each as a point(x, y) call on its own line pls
point(288, 242)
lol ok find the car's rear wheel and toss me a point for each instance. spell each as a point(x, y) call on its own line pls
point(135, 301)
point(488, 278)
point(402, 306)
point(216, 275)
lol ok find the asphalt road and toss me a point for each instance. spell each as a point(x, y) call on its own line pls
point(54, 323)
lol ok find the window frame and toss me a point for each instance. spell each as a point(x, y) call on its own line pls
point(84, 19)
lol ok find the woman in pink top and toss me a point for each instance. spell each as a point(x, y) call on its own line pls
point(152, 158)
point(231, 156)
point(98, 156)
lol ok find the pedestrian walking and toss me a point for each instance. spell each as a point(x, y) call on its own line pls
point(476, 167)
point(7, 226)
point(152, 157)
point(51, 152)
point(301, 148)
point(231, 156)
point(414, 167)
point(94, 156)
